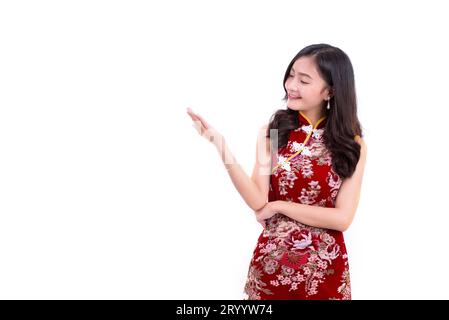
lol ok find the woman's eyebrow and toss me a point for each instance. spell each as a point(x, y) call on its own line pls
point(303, 74)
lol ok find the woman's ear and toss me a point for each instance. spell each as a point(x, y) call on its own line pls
point(329, 92)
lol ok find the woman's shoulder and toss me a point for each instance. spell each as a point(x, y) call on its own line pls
point(360, 141)
point(363, 148)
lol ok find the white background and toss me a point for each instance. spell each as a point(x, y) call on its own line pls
point(108, 192)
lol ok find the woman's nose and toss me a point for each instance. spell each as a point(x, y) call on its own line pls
point(292, 86)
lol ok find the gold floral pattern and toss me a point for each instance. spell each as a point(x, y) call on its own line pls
point(292, 260)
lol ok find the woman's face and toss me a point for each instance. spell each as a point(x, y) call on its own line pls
point(306, 89)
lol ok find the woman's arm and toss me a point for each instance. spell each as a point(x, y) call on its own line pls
point(338, 218)
point(254, 190)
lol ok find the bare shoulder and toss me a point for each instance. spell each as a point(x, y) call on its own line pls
point(363, 148)
point(361, 142)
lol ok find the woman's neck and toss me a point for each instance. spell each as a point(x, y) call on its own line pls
point(313, 116)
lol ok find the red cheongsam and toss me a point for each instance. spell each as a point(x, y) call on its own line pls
point(292, 260)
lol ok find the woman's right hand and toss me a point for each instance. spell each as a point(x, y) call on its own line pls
point(204, 128)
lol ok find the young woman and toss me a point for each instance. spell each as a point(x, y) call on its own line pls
point(309, 166)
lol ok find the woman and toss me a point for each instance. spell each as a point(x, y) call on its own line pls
point(310, 163)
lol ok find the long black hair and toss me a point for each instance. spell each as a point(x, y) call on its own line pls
point(342, 124)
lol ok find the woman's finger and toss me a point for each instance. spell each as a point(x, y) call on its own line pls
point(196, 117)
point(193, 116)
point(197, 126)
point(196, 122)
point(204, 122)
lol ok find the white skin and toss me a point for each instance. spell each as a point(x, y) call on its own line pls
point(314, 93)
point(304, 81)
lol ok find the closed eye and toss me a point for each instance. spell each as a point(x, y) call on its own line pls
point(290, 75)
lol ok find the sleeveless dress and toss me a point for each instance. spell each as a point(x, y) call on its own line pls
point(293, 261)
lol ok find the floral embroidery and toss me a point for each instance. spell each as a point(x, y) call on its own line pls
point(308, 196)
point(293, 260)
point(255, 284)
point(287, 181)
point(307, 129)
point(306, 168)
point(297, 254)
point(334, 182)
point(295, 146)
point(314, 149)
point(317, 134)
point(306, 152)
point(284, 163)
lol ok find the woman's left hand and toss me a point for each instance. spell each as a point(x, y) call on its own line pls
point(265, 213)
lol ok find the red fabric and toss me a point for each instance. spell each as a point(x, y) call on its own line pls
point(292, 260)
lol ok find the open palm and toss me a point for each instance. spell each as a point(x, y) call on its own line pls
point(204, 128)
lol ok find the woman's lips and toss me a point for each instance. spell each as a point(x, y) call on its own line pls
point(292, 97)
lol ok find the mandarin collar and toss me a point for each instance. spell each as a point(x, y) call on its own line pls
point(303, 120)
